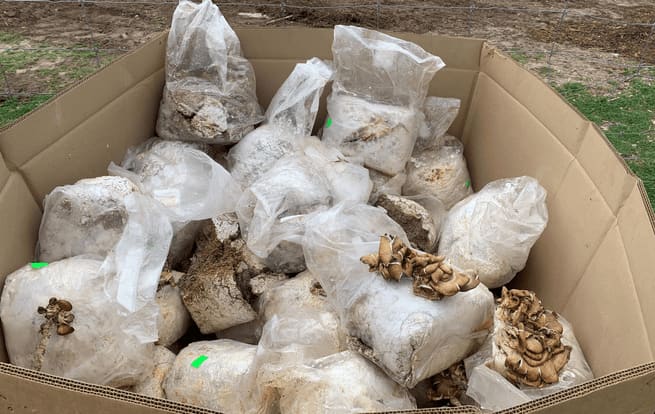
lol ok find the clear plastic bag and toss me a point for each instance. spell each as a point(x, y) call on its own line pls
point(339, 383)
point(181, 177)
point(290, 117)
point(174, 319)
point(87, 217)
point(152, 384)
point(493, 392)
point(208, 374)
point(492, 231)
point(209, 94)
point(379, 88)
point(189, 183)
point(409, 337)
point(98, 351)
point(272, 211)
point(439, 171)
point(438, 115)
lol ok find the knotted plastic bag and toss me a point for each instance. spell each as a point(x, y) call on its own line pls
point(209, 95)
point(491, 232)
point(377, 95)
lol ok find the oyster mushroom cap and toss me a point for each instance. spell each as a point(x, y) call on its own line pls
point(531, 339)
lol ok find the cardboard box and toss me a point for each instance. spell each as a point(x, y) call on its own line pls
point(593, 264)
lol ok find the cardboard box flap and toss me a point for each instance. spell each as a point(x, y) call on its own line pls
point(606, 168)
point(565, 122)
point(459, 53)
point(4, 172)
point(638, 238)
point(633, 390)
point(87, 149)
point(604, 309)
point(23, 140)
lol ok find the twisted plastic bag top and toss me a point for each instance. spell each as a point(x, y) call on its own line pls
point(382, 68)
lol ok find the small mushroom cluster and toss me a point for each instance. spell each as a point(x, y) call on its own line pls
point(449, 385)
point(433, 277)
point(531, 340)
point(58, 312)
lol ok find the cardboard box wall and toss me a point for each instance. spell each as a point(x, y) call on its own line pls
point(594, 262)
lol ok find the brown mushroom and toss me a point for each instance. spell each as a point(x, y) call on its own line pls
point(449, 385)
point(57, 314)
point(531, 340)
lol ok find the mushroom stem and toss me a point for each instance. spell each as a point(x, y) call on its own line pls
point(44, 332)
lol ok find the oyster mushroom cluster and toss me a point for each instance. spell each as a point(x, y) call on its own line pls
point(433, 277)
point(449, 385)
point(531, 340)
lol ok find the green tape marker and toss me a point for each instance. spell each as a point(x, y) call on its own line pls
point(468, 183)
point(38, 265)
point(198, 361)
point(328, 122)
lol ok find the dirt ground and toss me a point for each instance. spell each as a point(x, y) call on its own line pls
point(592, 43)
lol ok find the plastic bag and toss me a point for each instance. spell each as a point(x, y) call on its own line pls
point(439, 171)
point(439, 114)
point(384, 184)
point(290, 117)
point(189, 183)
point(492, 231)
point(181, 177)
point(174, 319)
point(87, 217)
point(339, 383)
point(208, 374)
point(98, 351)
point(272, 211)
point(409, 337)
point(209, 94)
point(379, 88)
point(152, 384)
point(493, 392)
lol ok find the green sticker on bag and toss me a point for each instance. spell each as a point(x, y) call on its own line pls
point(328, 122)
point(467, 184)
point(198, 361)
point(38, 265)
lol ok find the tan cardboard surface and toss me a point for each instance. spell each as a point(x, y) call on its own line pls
point(594, 262)
point(544, 103)
point(87, 149)
point(605, 168)
point(639, 247)
point(4, 172)
point(597, 302)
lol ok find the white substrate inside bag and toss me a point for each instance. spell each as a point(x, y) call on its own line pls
point(339, 383)
point(380, 134)
point(385, 184)
point(97, 351)
point(409, 337)
point(491, 232)
point(152, 384)
point(439, 171)
point(208, 374)
point(87, 217)
point(438, 115)
point(174, 319)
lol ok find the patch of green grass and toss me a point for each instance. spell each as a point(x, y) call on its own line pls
point(14, 108)
point(6, 37)
point(520, 57)
point(545, 71)
point(629, 121)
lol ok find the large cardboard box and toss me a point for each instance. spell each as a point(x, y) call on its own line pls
point(593, 264)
